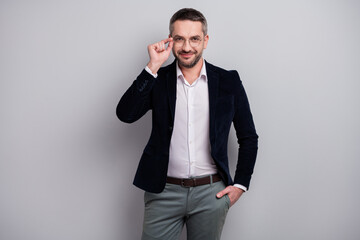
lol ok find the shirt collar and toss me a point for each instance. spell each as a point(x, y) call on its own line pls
point(203, 74)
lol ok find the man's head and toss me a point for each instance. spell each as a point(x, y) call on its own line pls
point(188, 28)
point(188, 14)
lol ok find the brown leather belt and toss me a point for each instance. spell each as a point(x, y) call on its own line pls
point(193, 182)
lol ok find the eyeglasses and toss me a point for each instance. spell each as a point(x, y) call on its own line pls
point(193, 41)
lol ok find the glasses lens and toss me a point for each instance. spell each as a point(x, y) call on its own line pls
point(194, 42)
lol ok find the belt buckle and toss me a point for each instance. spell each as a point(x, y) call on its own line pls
point(183, 182)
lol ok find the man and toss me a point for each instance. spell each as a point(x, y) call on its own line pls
point(184, 167)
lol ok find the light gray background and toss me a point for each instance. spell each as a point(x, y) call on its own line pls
point(67, 163)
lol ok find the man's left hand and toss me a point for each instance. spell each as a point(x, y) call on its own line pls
point(234, 194)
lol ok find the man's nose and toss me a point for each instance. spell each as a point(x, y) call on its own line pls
point(186, 46)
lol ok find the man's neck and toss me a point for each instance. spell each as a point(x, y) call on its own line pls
point(191, 74)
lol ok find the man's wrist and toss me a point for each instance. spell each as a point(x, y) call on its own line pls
point(150, 72)
point(153, 67)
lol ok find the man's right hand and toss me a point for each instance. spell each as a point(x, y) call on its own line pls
point(159, 53)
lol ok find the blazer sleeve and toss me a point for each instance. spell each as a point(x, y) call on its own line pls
point(136, 101)
point(246, 135)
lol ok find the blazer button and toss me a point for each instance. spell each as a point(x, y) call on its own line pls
point(170, 129)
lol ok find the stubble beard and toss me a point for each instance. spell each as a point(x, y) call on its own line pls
point(191, 64)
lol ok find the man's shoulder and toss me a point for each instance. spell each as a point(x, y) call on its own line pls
point(221, 71)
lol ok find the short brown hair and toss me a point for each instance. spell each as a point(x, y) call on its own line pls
point(188, 14)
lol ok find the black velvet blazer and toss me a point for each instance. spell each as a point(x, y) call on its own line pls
point(228, 104)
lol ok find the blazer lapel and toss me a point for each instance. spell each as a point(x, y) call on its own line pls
point(171, 88)
point(213, 85)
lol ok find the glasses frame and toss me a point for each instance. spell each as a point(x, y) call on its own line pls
point(181, 41)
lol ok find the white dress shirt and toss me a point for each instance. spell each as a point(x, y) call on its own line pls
point(189, 154)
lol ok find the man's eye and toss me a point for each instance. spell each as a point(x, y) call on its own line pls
point(195, 39)
point(177, 39)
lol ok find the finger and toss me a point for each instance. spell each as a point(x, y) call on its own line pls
point(167, 40)
point(170, 46)
point(222, 193)
point(158, 47)
point(154, 46)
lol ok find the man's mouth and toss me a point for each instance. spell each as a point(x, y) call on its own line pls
point(186, 54)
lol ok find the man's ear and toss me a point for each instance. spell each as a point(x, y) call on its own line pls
point(206, 39)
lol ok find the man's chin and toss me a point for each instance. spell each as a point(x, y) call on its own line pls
point(188, 63)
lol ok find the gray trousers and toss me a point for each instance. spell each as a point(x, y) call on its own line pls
point(197, 207)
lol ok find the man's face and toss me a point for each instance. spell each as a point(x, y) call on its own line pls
point(189, 42)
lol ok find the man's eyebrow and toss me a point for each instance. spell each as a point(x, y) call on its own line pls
point(184, 37)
